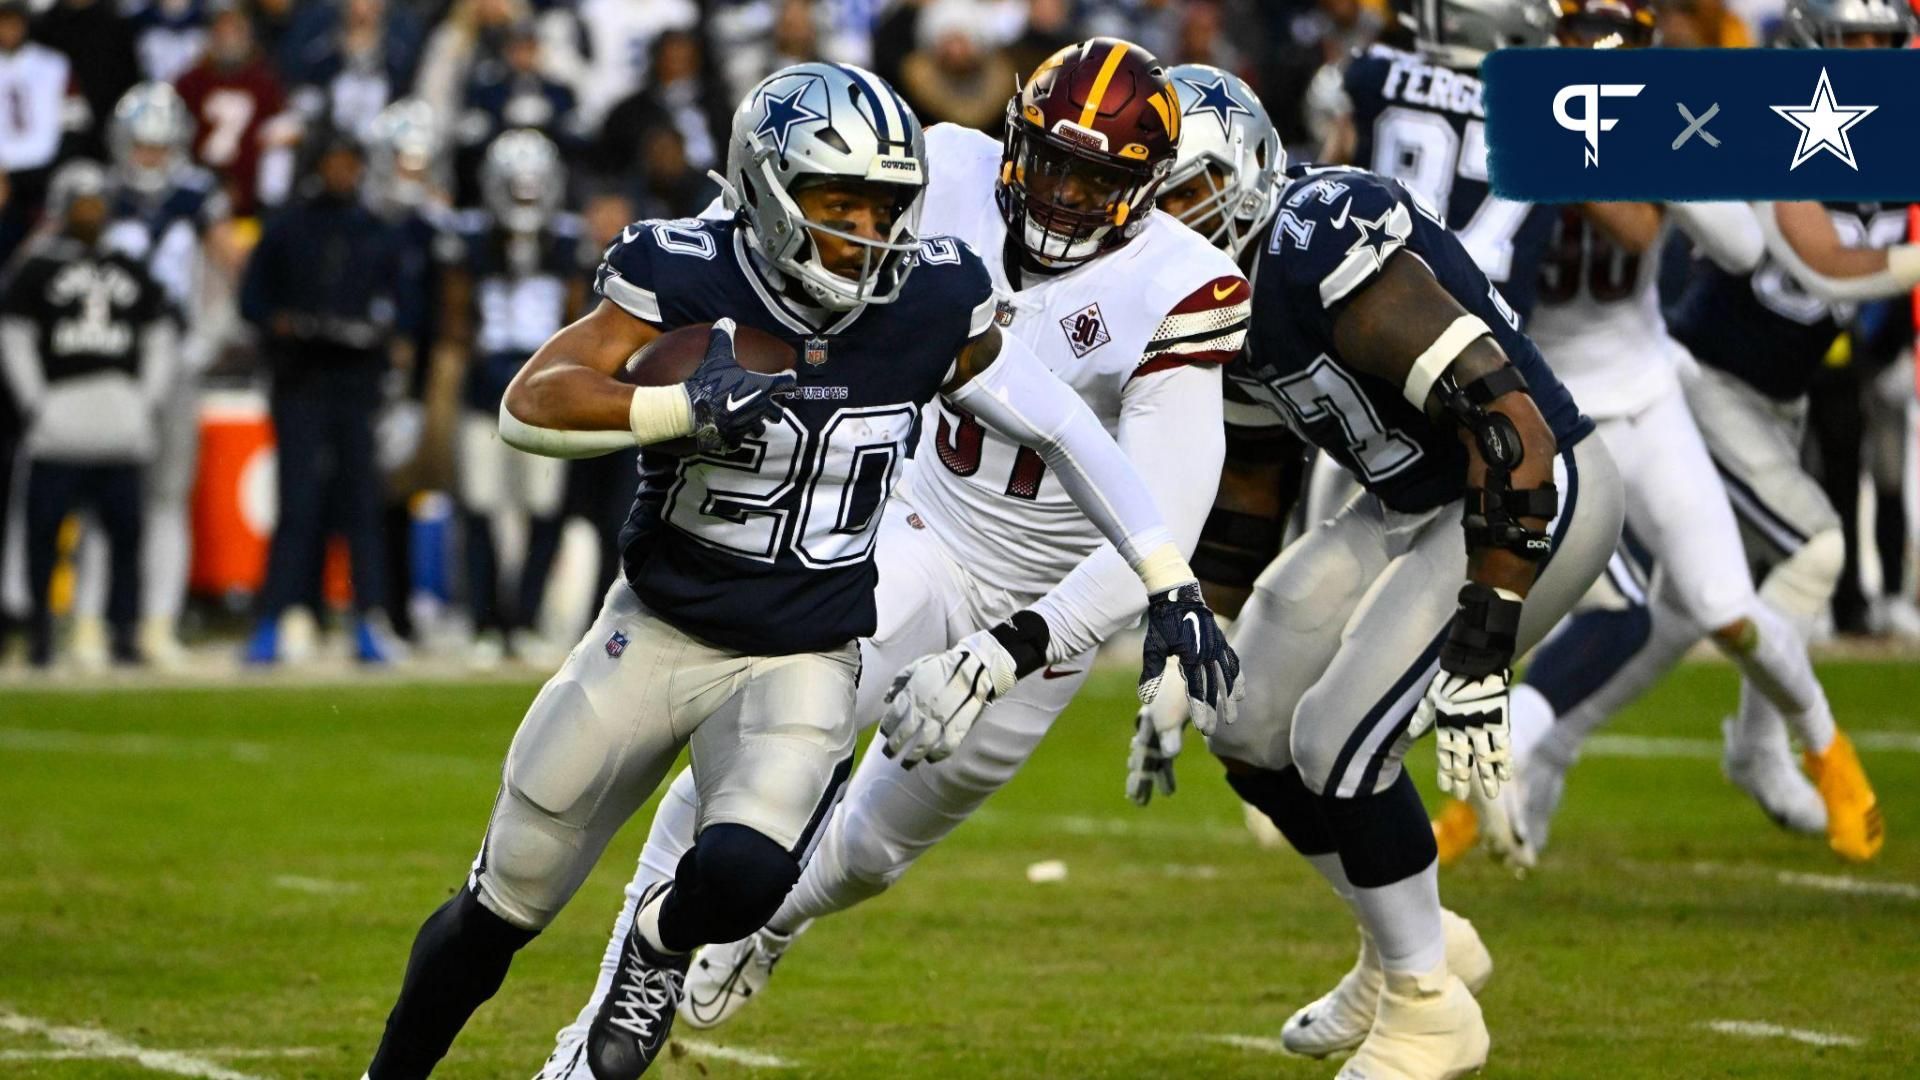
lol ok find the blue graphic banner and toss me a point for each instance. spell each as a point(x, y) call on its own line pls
point(1677, 124)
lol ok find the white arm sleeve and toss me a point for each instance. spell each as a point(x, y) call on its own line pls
point(1902, 272)
point(1727, 233)
point(1170, 428)
point(20, 358)
point(554, 443)
point(1019, 398)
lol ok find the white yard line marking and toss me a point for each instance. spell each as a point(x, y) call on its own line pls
point(232, 1052)
point(1757, 1029)
point(1651, 746)
point(316, 886)
point(750, 1058)
point(1888, 740)
point(1247, 1042)
point(129, 745)
point(1834, 883)
point(95, 1043)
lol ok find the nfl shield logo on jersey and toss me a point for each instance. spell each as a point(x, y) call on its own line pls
point(616, 644)
point(1086, 330)
point(1003, 313)
point(816, 351)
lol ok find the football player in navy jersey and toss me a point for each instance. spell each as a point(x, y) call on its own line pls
point(1376, 338)
point(748, 563)
point(512, 280)
point(1759, 337)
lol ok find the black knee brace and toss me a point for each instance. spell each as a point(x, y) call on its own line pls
point(727, 886)
point(1383, 838)
point(1293, 809)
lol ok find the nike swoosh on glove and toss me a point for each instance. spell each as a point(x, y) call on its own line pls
point(730, 403)
point(1179, 624)
point(935, 699)
point(1469, 718)
point(1157, 731)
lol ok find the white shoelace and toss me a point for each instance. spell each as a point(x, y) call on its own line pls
point(647, 996)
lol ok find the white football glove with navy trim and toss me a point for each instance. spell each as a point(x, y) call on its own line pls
point(935, 699)
point(1471, 737)
point(1157, 734)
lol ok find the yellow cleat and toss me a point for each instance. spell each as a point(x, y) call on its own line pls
point(1456, 828)
point(1855, 829)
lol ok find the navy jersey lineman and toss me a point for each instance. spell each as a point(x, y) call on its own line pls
point(748, 564)
point(1418, 117)
point(1376, 338)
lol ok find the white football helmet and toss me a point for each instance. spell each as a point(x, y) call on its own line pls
point(1458, 34)
point(1815, 24)
point(826, 121)
point(522, 181)
point(406, 159)
point(150, 116)
point(1225, 135)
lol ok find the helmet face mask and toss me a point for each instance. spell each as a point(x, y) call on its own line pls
point(406, 162)
point(521, 181)
point(1848, 24)
point(1090, 139)
point(813, 124)
point(148, 137)
point(1605, 24)
point(1227, 139)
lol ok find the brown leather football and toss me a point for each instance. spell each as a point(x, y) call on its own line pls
point(673, 356)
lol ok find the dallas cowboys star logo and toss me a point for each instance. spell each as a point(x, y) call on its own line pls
point(1823, 125)
point(782, 113)
point(1215, 98)
point(1374, 235)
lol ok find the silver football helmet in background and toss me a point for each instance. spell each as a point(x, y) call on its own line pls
point(1458, 34)
point(814, 122)
point(522, 181)
point(1824, 24)
point(1226, 135)
point(406, 155)
point(148, 137)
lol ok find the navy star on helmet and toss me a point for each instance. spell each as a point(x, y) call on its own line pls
point(1241, 156)
point(782, 112)
point(1213, 97)
point(808, 124)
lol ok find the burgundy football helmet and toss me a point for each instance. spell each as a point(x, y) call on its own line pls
point(1605, 24)
point(1089, 139)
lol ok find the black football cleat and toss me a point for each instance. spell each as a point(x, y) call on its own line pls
point(631, 1028)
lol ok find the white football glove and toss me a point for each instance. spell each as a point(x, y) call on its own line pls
point(1157, 730)
point(1472, 740)
point(935, 699)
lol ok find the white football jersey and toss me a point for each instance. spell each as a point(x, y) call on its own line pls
point(1597, 320)
point(1165, 298)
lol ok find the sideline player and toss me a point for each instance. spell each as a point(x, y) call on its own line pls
point(1136, 313)
point(749, 565)
point(1759, 338)
point(1377, 339)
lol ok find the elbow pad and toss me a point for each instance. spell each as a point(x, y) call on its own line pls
point(1492, 514)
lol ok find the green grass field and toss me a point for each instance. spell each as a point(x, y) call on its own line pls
point(236, 875)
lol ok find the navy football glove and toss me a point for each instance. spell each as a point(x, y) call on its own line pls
point(1180, 625)
point(730, 403)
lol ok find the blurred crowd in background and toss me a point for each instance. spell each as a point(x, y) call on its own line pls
point(344, 223)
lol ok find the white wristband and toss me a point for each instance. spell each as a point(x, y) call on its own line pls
point(1903, 262)
point(1164, 569)
point(659, 413)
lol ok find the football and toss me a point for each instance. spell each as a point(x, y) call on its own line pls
point(673, 356)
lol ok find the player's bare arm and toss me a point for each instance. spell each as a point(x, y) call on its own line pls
point(569, 383)
point(1802, 236)
point(978, 355)
point(1242, 534)
point(1389, 329)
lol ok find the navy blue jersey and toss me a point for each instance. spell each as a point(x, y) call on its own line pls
point(1762, 327)
point(769, 550)
point(519, 289)
point(164, 230)
point(1424, 125)
point(1336, 229)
